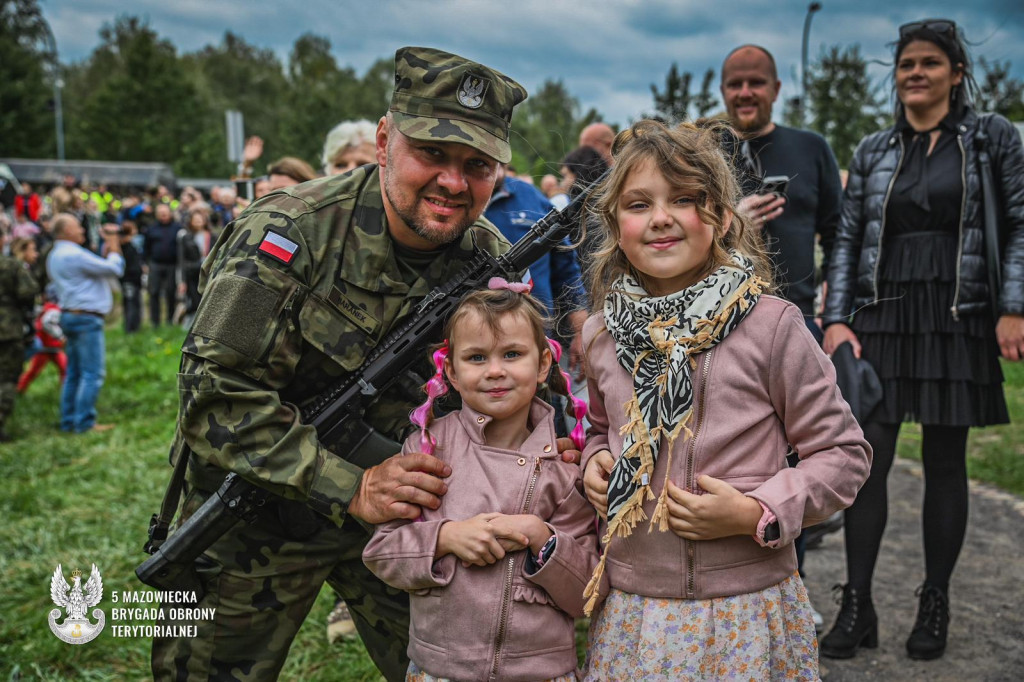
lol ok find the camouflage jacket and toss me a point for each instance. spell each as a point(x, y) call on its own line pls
point(17, 294)
point(269, 336)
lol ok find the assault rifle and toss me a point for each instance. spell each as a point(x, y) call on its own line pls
point(337, 415)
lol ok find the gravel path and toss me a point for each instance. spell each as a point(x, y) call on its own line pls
point(986, 634)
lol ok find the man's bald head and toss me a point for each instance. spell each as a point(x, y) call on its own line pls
point(600, 136)
point(749, 50)
point(66, 226)
point(750, 86)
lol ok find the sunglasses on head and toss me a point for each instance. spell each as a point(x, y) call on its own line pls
point(939, 26)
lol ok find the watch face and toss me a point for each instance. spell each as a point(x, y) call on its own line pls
point(771, 531)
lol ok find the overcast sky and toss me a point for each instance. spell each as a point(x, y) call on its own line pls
point(608, 52)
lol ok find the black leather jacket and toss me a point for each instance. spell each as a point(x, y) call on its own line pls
point(853, 275)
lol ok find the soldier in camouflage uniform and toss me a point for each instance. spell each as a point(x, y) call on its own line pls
point(17, 294)
point(297, 292)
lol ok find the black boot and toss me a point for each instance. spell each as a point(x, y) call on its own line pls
point(928, 638)
point(856, 625)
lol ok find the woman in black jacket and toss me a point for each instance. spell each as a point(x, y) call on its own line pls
point(909, 266)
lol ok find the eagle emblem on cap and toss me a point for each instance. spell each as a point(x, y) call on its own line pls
point(471, 91)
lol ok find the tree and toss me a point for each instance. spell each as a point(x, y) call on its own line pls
point(133, 103)
point(26, 83)
point(371, 98)
point(320, 94)
point(792, 113)
point(238, 76)
point(843, 104)
point(673, 103)
point(998, 92)
point(545, 128)
point(705, 102)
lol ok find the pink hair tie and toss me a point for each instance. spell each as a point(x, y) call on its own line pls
point(579, 407)
point(435, 388)
point(502, 283)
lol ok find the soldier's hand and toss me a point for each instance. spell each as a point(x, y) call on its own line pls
point(397, 488)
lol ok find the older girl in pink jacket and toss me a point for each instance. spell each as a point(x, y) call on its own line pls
point(699, 384)
point(497, 572)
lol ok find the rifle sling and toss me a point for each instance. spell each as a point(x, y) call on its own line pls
point(160, 523)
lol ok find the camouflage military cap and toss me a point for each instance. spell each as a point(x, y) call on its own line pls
point(442, 96)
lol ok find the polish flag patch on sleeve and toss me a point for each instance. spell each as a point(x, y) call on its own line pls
point(279, 247)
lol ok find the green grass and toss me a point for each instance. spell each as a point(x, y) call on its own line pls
point(81, 499)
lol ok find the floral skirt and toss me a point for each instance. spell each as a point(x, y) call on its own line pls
point(765, 635)
point(414, 674)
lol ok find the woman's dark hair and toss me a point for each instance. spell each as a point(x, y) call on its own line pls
point(948, 37)
point(293, 167)
point(587, 164)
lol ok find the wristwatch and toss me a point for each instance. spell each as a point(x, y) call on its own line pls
point(546, 551)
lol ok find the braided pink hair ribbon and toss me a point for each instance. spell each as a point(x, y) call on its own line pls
point(436, 388)
point(579, 407)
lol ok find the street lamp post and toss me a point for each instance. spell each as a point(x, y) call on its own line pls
point(811, 9)
point(58, 85)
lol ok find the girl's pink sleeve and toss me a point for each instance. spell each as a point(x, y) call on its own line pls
point(401, 552)
point(597, 415)
point(834, 456)
point(567, 571)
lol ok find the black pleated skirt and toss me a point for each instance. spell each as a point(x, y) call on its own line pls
point(933, 369)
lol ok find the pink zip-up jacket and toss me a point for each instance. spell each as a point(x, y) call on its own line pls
point(496, 622)
point(764, 387)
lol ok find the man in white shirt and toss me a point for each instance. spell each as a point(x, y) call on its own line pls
point(83, 290)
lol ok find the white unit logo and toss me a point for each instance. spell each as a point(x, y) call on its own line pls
point(76, 628)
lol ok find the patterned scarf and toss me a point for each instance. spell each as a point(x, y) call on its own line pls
point(656, 339)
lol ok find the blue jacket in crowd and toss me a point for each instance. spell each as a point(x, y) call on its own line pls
point(556, 275)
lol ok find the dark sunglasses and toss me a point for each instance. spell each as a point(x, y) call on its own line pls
point(938, 26)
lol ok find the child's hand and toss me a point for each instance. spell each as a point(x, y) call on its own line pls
point(532, 527)
point(722, 512)
point(595, 480)
point(479, 541)
point(567, 449)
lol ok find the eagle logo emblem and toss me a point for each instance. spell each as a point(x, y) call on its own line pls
point(76, 628)
point(472, 90)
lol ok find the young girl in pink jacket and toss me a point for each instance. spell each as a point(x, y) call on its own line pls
point(497, 572)
point(700, 382)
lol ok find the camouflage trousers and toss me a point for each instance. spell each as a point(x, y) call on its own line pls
point(12, 358)
point(262, 585)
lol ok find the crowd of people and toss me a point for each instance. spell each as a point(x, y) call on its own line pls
point(719, 271)
point(75, 245)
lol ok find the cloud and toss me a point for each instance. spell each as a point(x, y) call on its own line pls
point(607, 52)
